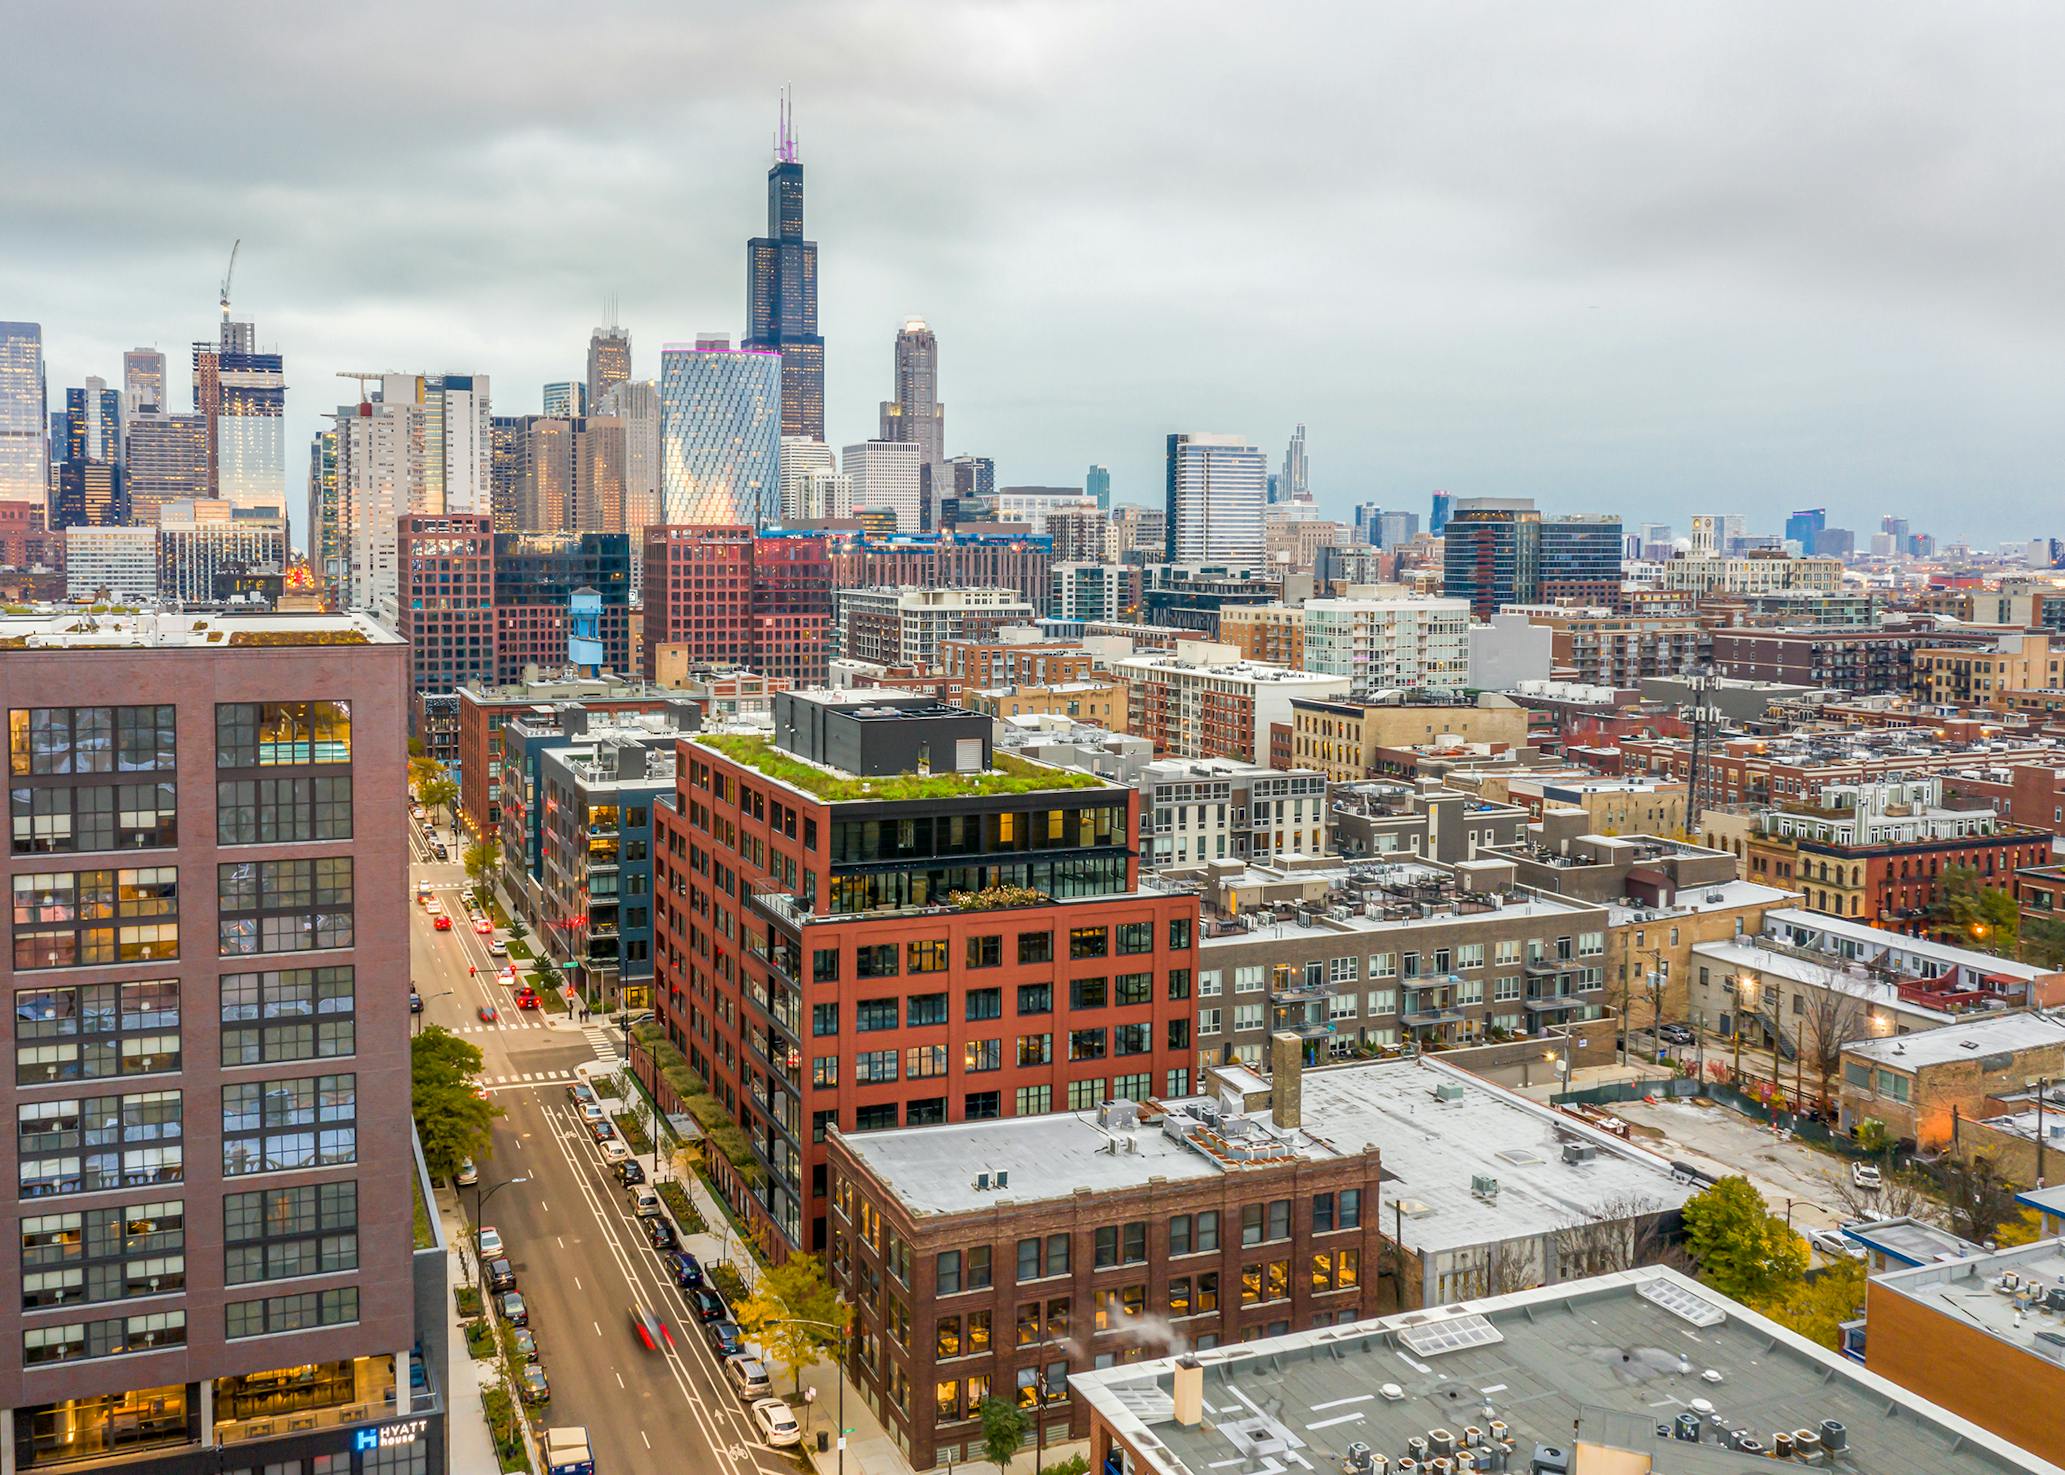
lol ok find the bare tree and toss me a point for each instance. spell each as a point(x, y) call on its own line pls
point(1494, 1270)
point(1617, 1233)
point(1832, 1020)
point(1896, 1198)
point(1979, 1200)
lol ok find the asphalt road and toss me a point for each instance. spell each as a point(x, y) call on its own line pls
point(581, 1260)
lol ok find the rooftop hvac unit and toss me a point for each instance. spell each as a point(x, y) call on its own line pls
point(1003, 1178)
point(1484, 1186)
point(982, 1183)
point(1449, 1091)
point(1579, 1152)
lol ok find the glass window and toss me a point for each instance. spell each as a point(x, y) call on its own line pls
point(1088, 942)
point(1035, 947)
point(90, 1031)
point(294, 1014)
point(281, 734)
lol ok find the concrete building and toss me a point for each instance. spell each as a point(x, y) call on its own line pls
point(210, 550)
point(1379, 819)
point(1194, 810)
point(885, 477)
point(1568, 1387)
point(1343, 739)
point(1508, 650)
point(1919, 1084)
point(1384, 645)
point(905, 627)
point(609, 363)
point(486, 709)
point(1274, 633)
point(732, 594)
point(447, 612)
point(1217, 487)
point(1094, 591)
point(1101, 702)
point(214, 1258)
point(1202, 701)
point(800, 456)
point(950, 560)
point(1017, 657)
point(24, 408)
point(112, 563)
point(1766, 573)
point(166, 460)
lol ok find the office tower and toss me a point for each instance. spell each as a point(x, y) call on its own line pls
point(212, 550)
point(328, 549)
point(545, 474)
point(380, 476)
point(1896, 529)
point(1491, 549)
point(536, 577)
point(243, 394)
point(636, 403)
point(90, 480)
point(1395, 528)
point(143, 383)
point(567, 400)
point(731, 595)
point(24, 408)
point(1216, 487)
point(915, 413)
point(1081, 534)
point(165, 460)
point(781, 303)
point(447, 609)
point(111, 562)
point(1141, 531)
point(597, 505)
point(1097, 483)
point(458, 444)
point(1580, 559)
point(720, 432)
point(507, 436)
point(1293, 484)
point(825, 495)
point(93, 423)
point(1437, 521)
point(1033, 505)
point(885, 477)
point(609, 363)
point(800, 456)
point(969, 493)
point(1366, 515)
point(215, 1251)
point(1803, 526)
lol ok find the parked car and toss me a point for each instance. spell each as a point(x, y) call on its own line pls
point(684, 1268)
point(724, 1337)
point(1832, 1244)
point(592, 1112)
point(1677, 1034)
point(629, 1171)
point(442, 924)
point(534, 1385)
point(660, 1234)
point(747, 1376)
point(468, 1174)
point(490, 1242)
point(437, 849)
point(614, 1151)
point(526, 1344)
point(501, 1274)
point(644, 1202)
point(602, 1131)
point(778, 1425)
point(415, 1002)
point(707, 1304)
point(513, 1310)
point(581, 1094)
point(1866, 1175)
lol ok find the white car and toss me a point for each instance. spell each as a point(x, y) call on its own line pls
point(1832, 1244)
point(468, 1174)
point(490, 1242)
point(777, 1425)
point(1865, 1175)
point(644, 1202)
point(614, 1151)
point(434, 907)
point(498, 948)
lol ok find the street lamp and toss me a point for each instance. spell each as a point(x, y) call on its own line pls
point(480, 1201)
point(416, 1019)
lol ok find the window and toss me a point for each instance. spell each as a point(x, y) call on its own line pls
point(1269, 1281)
point(1120, 1244)
point(279, 734)
point(1208, 1021)
point(66, 919)
point(1084, 1095)
point(284, 906)
point(924, 1062)
point(1194, 1295)
point(103, 1254)
point(280, 1233)
point(1179, 983)
point(272, 1126)
point(1134, 937)
point(1086, 1044)
point(1035, 947)
point(875, 962)
point(1033, 1100)
point(98, 1143)
point(1133, 1039)
point(44, 741)
point(1179, 934)
point(985, 952)
point(870, 1015)
point(824, 1019)
point(114, 1337)
point(1134, 988)
point(985, 1003)
point(1208, 980)
point(292, 1313)
point(294, 1014)
point(95, 1031)
point(273, 811)
point(924, 1009)
point(824, 967)
point(1383, 965)
point(874, 1067)
point(1248, 978)
point(876, 1118)
point(77, 819)
point(927, 956)
point(981, 1106)
point(1036, 998)
point(1088, 942)
point(1247, 1017)
point(1349, 1215)
point(1087, 993)
point(982, 1055)
point(1261, 1222)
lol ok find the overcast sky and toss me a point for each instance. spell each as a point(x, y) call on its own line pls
point(1636, 258)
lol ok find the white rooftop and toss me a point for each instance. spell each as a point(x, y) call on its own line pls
point(1832, 975)
point(1972, 1289)
point(1993, 1034)
point(1718, 897)
point(1862, 940)
point(56, 628)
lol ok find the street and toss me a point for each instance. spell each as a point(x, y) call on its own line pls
point(580, 1257)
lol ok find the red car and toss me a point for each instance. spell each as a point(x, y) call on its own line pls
point(483, 926)
point(442, 924)
point(488, 1014)
point(526, 998)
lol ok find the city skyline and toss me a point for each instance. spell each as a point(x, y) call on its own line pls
point(1697, 299)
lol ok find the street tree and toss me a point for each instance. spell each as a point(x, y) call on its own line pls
point(1742, 1249)
point(1003, 1431)
point(795, 1312)
point(481, 858)
point(453, 1119)
point(1972, 914)
point(1977, 1200)
point(1832, 1020)
point(439, 793)
point(1816, 1306)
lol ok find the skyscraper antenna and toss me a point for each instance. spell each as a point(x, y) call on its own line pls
point(785, 142)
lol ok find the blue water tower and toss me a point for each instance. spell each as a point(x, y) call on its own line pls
point(584, 631)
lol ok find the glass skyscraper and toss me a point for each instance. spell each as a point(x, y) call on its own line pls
point(1491, 552)
point(1584, 550)
point(781, 305)
point(720, 433)
point(24, 428)
point(1217, 486)
point(244, 394)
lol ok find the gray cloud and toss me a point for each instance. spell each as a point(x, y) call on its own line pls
point(1618, 256)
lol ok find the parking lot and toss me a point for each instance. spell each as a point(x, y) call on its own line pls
point(1721, 1141)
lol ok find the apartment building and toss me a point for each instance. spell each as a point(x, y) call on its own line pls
point(1202, 701)
point(1194, 810)
point(1342, 739)
point(1017, 658)
point(2017, 662)
point(1272, 633)
point(909, 627)
point(1389, 644)
point(209, 921)
point(486, 708)
point(1608, 649)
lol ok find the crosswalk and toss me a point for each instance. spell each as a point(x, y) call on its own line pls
point(519, 1022)
point(604, 1043)
point(517, 1080)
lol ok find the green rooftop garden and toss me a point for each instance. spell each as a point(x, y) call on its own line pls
point(1007, 775)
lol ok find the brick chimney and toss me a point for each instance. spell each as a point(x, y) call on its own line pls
point(1286, 1080)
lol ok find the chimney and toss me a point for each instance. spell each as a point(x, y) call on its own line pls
point(1189, 1392)
point(1286, 1080)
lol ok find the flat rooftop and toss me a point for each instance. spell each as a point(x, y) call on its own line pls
point(1616, 1360)
point(1832, 975)
point(1433, 1148)
point(1007, 774)
point(54, 627)
point(1911, 1240)
point(1991, 1035)
point(1718, 897)
point(1974, 1290)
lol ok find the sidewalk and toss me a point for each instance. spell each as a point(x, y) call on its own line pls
point(467, 1419)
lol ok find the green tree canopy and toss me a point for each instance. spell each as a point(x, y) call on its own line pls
point(452, 1119)
point(1816, 1306)
point(1743, 1250)
point(785, 1302)
point(480, 860)
point(1003, 1430)
point(1972, 914)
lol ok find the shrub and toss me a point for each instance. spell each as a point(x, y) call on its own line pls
point(675, 1197)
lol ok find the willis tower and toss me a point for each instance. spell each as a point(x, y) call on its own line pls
point(782, 292)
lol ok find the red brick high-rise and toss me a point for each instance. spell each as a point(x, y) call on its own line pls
point(871, 920)
point(736, 596)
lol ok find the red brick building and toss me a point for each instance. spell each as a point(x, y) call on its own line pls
point(731, 596)
point(484, 710)
point(446, 610)
point(978, 665)
point(873, 921)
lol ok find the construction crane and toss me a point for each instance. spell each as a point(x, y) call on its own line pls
point(229, 272)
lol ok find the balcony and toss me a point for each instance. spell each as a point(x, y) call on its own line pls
point(1549, 967)
point(780, 906)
